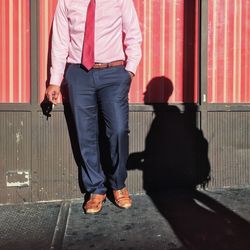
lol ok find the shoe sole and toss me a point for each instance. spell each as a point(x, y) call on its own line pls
point(127, 207)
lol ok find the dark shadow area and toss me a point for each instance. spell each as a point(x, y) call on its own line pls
point(202, 223)
point(176, 151)
point(175, 162)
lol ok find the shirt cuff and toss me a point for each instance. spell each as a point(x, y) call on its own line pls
point(130, 66)
point(56, 79)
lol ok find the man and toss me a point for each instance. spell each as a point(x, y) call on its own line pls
point(88, 36)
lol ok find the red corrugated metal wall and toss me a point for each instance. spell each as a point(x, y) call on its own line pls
point(229, 51)
point(14, 51)
point(170, 41)
point(162, 25)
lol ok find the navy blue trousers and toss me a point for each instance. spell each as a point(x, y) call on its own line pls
point(106, 91)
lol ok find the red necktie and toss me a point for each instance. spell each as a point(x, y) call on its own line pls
point(88, 58)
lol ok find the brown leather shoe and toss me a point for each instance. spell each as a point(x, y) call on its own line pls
point(94, 203)
point(122, 198)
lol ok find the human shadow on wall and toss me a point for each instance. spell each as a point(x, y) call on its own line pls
point(174, 163)
point(175, 152)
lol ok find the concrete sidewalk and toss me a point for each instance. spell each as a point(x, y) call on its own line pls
point(176, 220)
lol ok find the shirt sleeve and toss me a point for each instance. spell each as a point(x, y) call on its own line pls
point(133, 38)
point(60, 43)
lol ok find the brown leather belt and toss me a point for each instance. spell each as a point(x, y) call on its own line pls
point(108, 65)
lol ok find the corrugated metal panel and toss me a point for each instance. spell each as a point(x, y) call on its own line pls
point(56, 175)
point(229, 148)
point(228, 51)
point(57, 171)
point(139, 126)
point(15, 157)
point(162, 25)
point(15, 51)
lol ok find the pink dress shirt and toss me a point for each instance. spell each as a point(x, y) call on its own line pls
point(113, 17)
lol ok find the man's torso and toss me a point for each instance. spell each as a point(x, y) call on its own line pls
point(108, 29)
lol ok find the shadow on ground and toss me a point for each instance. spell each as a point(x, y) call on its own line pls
point(200, 222)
